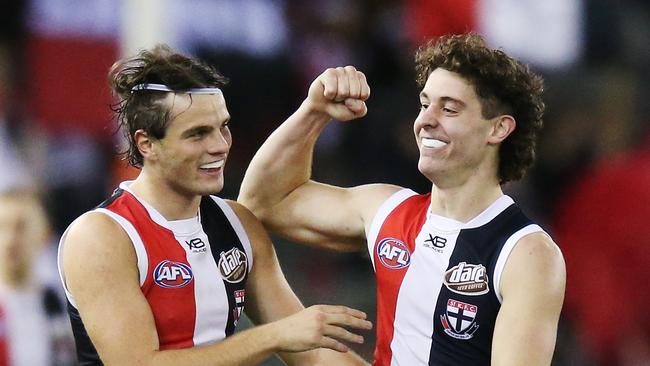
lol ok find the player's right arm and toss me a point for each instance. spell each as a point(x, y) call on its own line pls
point(277, 185)
point(100, 270)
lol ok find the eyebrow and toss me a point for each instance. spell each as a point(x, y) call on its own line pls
point(193, 130)
point(206, 127)
point(444, 99)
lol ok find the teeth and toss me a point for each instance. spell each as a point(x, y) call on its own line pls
point(427, 142)
point(213, 165)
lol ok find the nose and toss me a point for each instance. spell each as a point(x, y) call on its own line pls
point(220, 142)
point(426, 118)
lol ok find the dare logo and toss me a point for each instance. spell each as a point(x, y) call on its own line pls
point(467, 279)
point(393, 253)
point(233, 265)
point(171, 274)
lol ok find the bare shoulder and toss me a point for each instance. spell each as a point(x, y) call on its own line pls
point(252, 225)
point(92, 231)
point(370, 197)
point(95, 243)
point(537, 262)
point(247, 218)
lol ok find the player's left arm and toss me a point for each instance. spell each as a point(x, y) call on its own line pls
point(532, 288)
point(269, 298)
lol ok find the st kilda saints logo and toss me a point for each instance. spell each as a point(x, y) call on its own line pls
point(459, 320)
point(239, 296)
point(393, 253)
point(467, 279)
point(233, 265)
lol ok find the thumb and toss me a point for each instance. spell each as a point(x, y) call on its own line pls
point(356, 106)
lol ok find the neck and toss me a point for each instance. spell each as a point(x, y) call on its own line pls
point(464, 200)
point(172, 204)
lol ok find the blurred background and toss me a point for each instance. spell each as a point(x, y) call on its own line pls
point(590, 186)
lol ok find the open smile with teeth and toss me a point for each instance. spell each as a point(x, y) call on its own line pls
point(213, 165)
point(432, 143)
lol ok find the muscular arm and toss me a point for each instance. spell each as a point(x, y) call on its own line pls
point(532, 287)
point(269, 298)
point(100, 270)
point(277, 185)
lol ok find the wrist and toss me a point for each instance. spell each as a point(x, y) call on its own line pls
point(313, 113)
point(271, 337)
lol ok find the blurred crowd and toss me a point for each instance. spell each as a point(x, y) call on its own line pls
point(590, 186)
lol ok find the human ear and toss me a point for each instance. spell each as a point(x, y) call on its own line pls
point(144, 144)
point(502, 128)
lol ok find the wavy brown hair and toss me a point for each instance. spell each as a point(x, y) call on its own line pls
point(503, 85)
point(144, 109)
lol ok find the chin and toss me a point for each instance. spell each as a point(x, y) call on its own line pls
point(428, 170)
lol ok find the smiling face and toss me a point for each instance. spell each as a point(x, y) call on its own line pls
point(191, 157)
point(454, 139)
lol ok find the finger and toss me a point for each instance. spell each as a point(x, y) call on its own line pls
point(333, 344)
point(353, 78)
point(358, 107)
point(347, 320)
point(340, 309)
point(343, 85)
point(364, 93)
point(342, 334)
point(329, 80)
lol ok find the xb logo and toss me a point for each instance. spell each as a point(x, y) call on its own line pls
point(196, 245)
point(436, 243)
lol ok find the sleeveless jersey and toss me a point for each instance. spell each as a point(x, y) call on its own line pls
point(438, 280)
point(192, 272)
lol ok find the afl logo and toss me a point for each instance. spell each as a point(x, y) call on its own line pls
point(232, 265)
point(170, 274)
point(393, 253)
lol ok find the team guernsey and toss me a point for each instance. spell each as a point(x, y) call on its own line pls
point(192, 272)
point(438, 280)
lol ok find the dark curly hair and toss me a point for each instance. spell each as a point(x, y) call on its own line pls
point(143, 109)
point(503, 85)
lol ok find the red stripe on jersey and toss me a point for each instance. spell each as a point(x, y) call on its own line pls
point(4, 346)
point(403, 224)
point(174, 309)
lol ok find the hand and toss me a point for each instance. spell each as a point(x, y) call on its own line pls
point(320, 326)
point(339, 93)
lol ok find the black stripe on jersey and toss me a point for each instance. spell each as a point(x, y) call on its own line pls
point(116, 194)
point(481, 245)
point(222, 238)
point(86, 353)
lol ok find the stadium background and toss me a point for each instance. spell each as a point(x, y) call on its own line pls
point(590, 186)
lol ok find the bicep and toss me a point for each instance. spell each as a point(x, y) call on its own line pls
point(101, 274)
point(268, 295)
point(532, 286)
point(328, 216)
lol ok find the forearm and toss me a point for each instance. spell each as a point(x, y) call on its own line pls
point(250, 347)
point(284, 161)
point(328, 357)
point(323, 357)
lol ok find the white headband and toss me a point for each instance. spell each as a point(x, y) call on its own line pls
point(161, 87)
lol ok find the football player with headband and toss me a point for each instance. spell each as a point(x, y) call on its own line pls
point(160, 272)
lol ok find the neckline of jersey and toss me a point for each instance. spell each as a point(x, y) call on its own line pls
point(182, 227)
point(448, 224)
